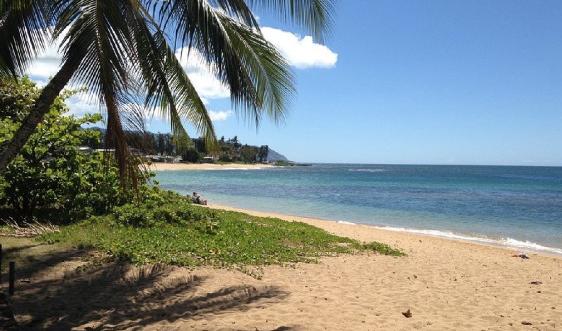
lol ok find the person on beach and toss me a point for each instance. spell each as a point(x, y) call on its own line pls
point(196, 198)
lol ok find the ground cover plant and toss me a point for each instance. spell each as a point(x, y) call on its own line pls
point(167, 228)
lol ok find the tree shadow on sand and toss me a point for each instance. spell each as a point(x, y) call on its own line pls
point(117, 296)
point(14, 250)
point(32, 258)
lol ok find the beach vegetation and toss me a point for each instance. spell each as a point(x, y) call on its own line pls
point(382, 248)
point(168, 228)
point(52, 178)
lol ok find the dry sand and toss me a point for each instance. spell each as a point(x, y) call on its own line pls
point(446, 285)
point(161, 166)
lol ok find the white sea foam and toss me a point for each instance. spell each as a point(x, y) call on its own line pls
point(505, 242)
point(344, 222)
point(531, 246)
point(366, 170)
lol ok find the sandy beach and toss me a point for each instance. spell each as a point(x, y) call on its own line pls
point(445, 284)
point(161, 166)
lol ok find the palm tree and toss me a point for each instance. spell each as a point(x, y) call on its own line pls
point(123, 49)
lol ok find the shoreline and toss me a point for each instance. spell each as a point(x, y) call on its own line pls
point(163, 166)
point(446, 285)
point(414, 234)
point(441, 284)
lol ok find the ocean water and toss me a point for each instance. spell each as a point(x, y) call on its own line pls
point(520, 207)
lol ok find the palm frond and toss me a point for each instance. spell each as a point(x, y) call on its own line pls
point(312, 15)
point(168, 88)
point(24, 32)
point(266, 68)
point(257, 75)
point(98, 29)
point(239, 10)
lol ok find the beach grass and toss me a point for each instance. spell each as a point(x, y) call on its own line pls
point(189, 235)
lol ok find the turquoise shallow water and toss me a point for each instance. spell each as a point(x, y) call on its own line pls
point(513, 206)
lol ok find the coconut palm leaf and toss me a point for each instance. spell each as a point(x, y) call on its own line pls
point(267, 70)
point(257, 75)
point(125, 50)
point(24, 31)
point(168, 88)
point(314, 16)
point(101, 37)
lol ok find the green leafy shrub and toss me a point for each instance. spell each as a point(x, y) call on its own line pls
point(51, 178)
point(165, 208)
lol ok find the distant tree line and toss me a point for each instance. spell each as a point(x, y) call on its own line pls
point(228, 150)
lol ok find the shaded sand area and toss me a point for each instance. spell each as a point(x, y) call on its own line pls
point(161, 166)
point(446, 285)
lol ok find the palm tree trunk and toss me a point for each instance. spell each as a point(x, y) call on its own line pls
point(10, 149)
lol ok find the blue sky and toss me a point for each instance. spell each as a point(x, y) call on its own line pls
point(431, 82)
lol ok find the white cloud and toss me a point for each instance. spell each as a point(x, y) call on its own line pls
point(300, 52)
point(45, 66)
point(220, 115)
point(83, 103)
point(206, 84)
